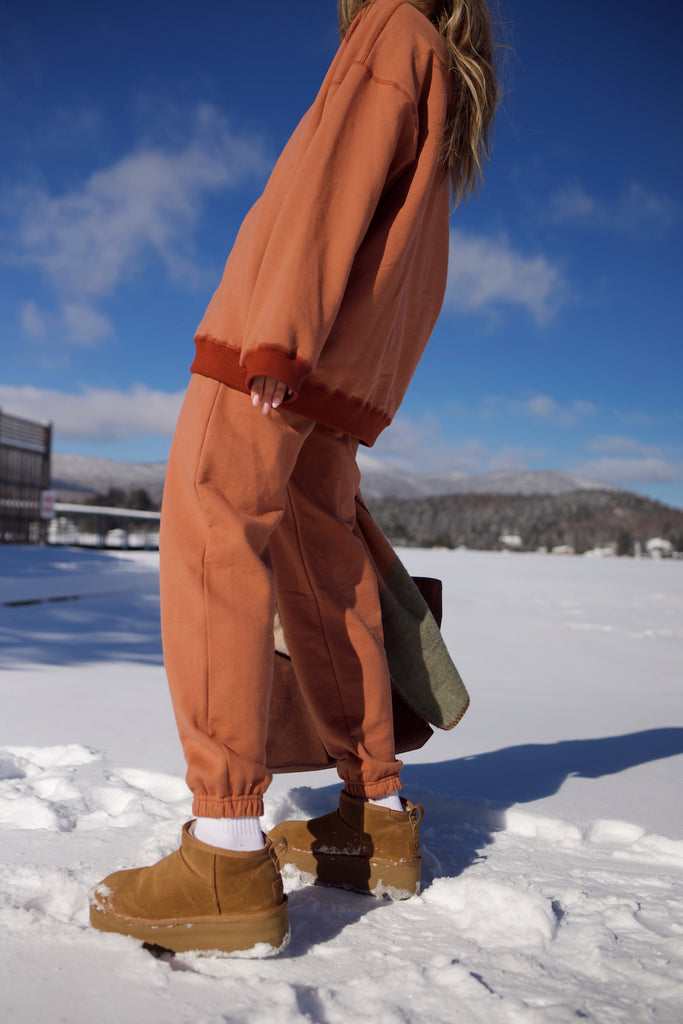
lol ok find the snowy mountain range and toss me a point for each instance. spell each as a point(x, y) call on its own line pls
point(76, 476)
point(380, 480)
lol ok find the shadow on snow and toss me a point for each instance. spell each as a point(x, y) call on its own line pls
point(466, 798)
point(89, 607)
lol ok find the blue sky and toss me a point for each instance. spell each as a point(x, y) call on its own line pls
point(135, 136)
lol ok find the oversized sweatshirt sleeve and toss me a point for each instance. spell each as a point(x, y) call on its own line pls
point(365, 135)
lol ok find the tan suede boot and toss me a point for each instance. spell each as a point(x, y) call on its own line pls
point(360, 846)
point(198, 898)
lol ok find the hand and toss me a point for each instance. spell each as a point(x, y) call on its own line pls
point(268, 393)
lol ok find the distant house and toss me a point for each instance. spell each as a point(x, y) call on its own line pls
point(657, 547)
point(24, 478)
point(513, 541)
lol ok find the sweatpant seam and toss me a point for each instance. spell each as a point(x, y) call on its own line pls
point(200, 504)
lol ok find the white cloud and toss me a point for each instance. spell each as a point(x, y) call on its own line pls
point(543, 407)
point(409, 443)
point(54, 331)
point(97, 414)
point(626, 461)
point(421, 447)
point(32, 321)
point(564, 415)
point(572, 203)
point(88, 240)
point(512, 457)
point(642, 212)
point(637, 211)
point(85, 326)
point(630, 471)
point(72, 324)
point(634, 417)
point(615, 444)
point(487, 272)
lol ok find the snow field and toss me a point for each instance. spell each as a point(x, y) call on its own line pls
point(553, 837)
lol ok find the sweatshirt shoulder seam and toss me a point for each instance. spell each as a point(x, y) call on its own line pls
point(378, 80)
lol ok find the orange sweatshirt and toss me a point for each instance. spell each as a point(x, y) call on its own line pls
point(338, 272)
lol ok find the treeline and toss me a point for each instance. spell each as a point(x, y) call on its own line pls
point(116, 497)
point(581, 520)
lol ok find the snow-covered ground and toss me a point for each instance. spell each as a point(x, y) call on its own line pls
point(553, 837)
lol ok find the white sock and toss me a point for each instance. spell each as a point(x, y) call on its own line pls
point(239, 834)
point(393, 802)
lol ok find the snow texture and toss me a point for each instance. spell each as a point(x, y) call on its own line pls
point(553, 836)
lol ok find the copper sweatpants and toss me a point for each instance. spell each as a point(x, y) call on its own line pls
point(258, 508)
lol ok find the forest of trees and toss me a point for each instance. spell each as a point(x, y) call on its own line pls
point(581, 520)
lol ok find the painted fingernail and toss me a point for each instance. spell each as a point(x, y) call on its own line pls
point(275, 402)
point(265, 408)
point(254, 399)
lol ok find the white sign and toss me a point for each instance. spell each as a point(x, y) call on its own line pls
point(47, 504)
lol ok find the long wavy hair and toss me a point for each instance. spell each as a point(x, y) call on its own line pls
point(467, 30)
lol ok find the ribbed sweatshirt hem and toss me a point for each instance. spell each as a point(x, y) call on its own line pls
point(311, 398)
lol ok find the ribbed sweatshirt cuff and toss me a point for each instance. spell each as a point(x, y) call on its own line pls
point(278, 363)
point(310, 397)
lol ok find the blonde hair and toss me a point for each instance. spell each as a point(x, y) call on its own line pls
point(466, 28)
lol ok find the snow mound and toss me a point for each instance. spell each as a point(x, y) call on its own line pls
point(64, 788)
point(492, 914)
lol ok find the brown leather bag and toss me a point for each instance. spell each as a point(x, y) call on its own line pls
point(426, 686)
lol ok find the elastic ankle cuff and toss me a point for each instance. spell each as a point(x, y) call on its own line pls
point(372, 790)
point(228, 807)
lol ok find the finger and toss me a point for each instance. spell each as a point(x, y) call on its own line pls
point(256, 389)
point(279, 394)
point(269, 386)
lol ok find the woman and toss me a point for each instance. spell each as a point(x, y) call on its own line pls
point(327, 301)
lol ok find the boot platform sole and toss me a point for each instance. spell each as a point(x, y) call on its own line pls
point(250, 935)
point(359, 874)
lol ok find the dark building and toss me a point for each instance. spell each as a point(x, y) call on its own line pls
point(24, 476)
